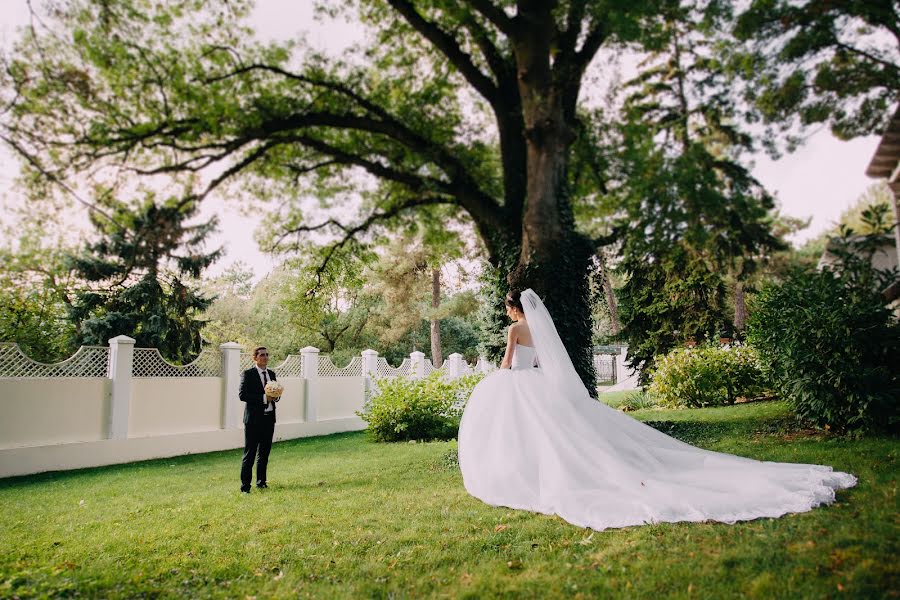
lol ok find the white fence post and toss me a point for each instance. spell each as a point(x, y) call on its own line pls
point(309, 369)
point(231, 380)
point(369, 365)
point(121, 360)
point(454, 365)
point(483, 365)
point(418, 364)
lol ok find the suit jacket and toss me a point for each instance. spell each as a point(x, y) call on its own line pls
point(252, 393)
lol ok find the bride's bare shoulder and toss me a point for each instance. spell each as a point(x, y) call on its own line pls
point(519, 328)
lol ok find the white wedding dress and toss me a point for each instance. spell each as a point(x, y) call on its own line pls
point(533, 439)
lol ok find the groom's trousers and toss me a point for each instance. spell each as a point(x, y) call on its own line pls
point(258, 436)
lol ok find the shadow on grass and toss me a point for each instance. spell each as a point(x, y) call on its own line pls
point(700, 433)
point(323, 445)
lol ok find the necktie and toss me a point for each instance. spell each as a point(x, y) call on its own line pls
point(265, 381)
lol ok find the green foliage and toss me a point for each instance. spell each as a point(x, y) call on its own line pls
point(870, 212)
point(458, 334)
point(813, 62)
point(667, 301)
point(491, 318)
point(404, 408)
point(830, 345)
point(138, 274)
point(33, 286)
point(629, 401)
point(708, 375)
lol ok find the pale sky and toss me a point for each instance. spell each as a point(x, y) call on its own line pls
point(820, 180)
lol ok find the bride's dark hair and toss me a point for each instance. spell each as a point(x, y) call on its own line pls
point(514, 299)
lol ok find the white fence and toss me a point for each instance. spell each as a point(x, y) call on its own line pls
point(116, 404)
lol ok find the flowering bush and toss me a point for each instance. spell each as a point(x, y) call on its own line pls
point(404, 408)
point(709, 375)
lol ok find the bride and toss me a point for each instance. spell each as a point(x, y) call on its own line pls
point(534, 439)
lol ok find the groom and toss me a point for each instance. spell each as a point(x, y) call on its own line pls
point(259, 419)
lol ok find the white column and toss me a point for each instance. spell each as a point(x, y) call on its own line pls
point(231, 381)
point(369, 371)
point(455, 365)
point(418, 364)
point(121, 360)
point(309, 369)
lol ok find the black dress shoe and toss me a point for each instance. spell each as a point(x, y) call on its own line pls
point(262, 485)
point(245, 490)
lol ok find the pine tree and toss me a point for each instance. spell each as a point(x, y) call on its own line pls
point(137, 274)
point(694, 210)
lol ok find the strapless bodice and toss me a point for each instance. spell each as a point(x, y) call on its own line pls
point(523, 357)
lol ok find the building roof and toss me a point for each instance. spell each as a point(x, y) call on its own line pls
point(887, 155)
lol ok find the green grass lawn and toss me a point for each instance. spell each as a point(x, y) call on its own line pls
point(346, 517)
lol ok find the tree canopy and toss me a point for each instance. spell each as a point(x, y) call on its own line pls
point(473, 110)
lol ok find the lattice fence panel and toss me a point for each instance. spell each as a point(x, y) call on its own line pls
point(429, 367)
point(247, 361)
point(386, 370)
point(291, 367)
point(88, 361)
point(328, 368)
point(148, 362)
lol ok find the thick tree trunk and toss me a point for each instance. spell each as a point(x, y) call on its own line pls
point(436, 358)
point(740, 307)
point(554, 258)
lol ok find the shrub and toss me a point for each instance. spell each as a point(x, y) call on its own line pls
point(637, 401)
point(706, 376)
point(830, 347)
point(404, 408)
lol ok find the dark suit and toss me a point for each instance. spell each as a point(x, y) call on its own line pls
point(259, 426)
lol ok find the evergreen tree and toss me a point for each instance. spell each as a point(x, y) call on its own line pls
point(138, 275)
point(692, 208)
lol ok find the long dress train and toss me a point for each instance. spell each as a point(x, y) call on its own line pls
point(529, 441)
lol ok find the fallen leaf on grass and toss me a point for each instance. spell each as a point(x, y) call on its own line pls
point(500, 528)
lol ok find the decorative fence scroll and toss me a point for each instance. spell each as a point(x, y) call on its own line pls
point(88, 361)
point(291, 367)
point(148, 362)
point(386, 370)
point(429, 367)
point(328, 368)
point(93, 361)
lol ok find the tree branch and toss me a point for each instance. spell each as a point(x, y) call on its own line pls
point(591, 46)
point(496, 15)
point(350, 232)
point(867, 56)
point(450, 48)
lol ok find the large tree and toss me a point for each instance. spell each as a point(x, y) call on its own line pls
point(468, 104)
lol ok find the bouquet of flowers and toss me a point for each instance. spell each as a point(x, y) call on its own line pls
point(274, 391)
